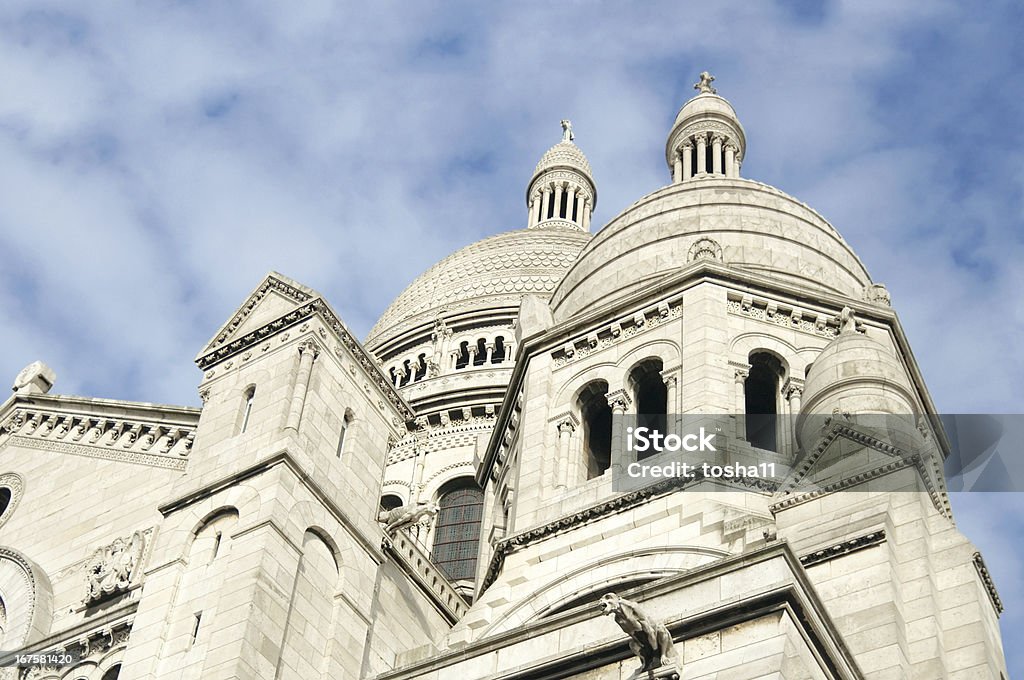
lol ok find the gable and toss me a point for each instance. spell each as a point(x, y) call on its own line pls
point(274, 297)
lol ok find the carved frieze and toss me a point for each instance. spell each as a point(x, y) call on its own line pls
point(781, 314)
point(621, 329)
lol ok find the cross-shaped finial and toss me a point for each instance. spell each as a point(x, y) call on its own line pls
point(567, 135)
point(705, 83)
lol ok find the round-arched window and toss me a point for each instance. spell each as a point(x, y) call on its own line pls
point(457, 535)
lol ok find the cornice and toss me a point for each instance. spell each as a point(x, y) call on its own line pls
point(317, 307)
point(844, 548)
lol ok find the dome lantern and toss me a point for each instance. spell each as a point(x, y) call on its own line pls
point(706, 138)
point(562, 193)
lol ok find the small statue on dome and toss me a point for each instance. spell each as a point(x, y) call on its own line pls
point(705, 83)
point(567, 135)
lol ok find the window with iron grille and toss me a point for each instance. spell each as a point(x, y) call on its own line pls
point(457, 534)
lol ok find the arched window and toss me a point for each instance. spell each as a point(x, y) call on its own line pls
point(390, 501)
point(346, 423)
point(5, 499)
point(112, 672)
point(463, 359)
point(246, 413)
point(481, 353)
point(499, 350)
point(407, 373)
point(3, 621)
point(761, 397)
point(596, 416)
point(651, 397)
point(421, 367)
point(457, 534)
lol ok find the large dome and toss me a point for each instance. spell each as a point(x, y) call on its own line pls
point(495, 272)
point(739, 222)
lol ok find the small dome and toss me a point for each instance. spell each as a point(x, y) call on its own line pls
point(705, 104)
point(856, 375)
point(493, 273)
point(565, 154)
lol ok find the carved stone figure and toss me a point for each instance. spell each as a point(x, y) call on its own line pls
point(567, 135)
point(649, 640)
point(421, 512)
point(112, 567)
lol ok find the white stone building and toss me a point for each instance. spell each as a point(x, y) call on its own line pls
point(241, 539)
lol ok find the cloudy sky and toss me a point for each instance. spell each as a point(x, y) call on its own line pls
point(157, 159)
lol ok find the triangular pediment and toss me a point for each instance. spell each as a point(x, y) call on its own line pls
point(851, 457)
point(275, 296)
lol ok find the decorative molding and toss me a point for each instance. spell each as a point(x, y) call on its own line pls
point(986, 579)
point(782, 314)
point(16, 484)
point(846, 547)
point(314, 308)
point(130, 440)
point(583, 345)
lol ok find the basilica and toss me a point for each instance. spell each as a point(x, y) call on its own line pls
point(446, 498)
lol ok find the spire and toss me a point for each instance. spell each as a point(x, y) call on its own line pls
point(706, 138)
point(562, 193)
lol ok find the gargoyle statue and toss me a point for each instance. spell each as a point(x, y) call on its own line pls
point(649, 640)
point(420, 512)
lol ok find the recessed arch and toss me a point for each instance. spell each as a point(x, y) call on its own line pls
point(457, 528)
point(28, 599)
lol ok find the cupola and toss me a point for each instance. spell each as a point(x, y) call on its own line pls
point(562, 193)
point(706, 138)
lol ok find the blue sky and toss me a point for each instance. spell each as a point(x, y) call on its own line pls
point(157, 159)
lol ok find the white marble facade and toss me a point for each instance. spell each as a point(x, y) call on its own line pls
point(242, 539)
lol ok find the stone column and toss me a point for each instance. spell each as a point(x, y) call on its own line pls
point(740, 376)
point(671, 401)
point(532, 218)
point(544, 203)
point(716, 155)
point(490, 352)
point(586, 214)
point(687, 159)
point(793, 390)
point(619, 401)
point(565, 429)
point(570, 202)
point(510, 351)
point(453, 360)
point(677, 168)
point(730, 160)
point(557, 213)
point(702, 154)
point(308, 352)
point(736, 167)
point(472, 354)
point(398, 375)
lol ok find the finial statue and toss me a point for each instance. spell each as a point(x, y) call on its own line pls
point(705, 83)
point(567, 135)
point(649, 639)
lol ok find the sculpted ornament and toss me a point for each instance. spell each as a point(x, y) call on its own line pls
point(419, 513)
point(649, 640)
point(112, 567)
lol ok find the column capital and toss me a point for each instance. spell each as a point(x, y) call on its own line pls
point(793, 386)
point(619, 400)
point(717, 139)
point(740, 371)
point(309, 346)
point(687, 144)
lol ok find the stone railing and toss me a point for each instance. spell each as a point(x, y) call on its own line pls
point(427, 574)
point(129, 439)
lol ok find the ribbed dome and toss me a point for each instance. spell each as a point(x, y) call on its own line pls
point(563, 154)
point(494, 272)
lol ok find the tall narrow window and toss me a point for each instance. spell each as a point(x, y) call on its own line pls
point(250, 394)
point(457, 535)
point(217, 538)
point(481, 353)
point(112, 673)
point(499, 350)
point(596, 415)
point(195, 627)
point(346, 422)
point(651, 398)
point(761, 397)
point(463, 360)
